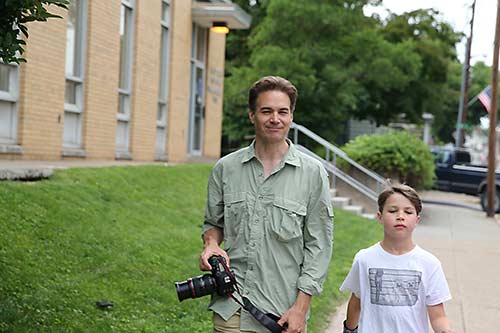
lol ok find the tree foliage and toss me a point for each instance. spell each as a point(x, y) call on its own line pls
point(344, 64)
point(15, 14)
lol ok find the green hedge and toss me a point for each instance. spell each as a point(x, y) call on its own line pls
point(399, 155)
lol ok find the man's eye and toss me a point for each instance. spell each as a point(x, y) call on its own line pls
point(283, 112)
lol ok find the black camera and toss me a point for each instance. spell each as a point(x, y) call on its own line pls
point(219, 281)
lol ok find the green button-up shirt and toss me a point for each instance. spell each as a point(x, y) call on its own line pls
point(278, 231)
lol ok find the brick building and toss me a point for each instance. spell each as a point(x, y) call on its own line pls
point(119, 79)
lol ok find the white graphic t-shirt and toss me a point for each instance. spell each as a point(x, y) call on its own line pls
point(395, 290)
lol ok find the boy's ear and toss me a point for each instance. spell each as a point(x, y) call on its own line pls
point(251, 115)
point(379, 217)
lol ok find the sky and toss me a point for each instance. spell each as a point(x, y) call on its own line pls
point(458, 13)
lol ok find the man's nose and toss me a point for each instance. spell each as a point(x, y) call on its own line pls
point(274, 117)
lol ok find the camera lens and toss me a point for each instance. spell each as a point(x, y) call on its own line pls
point(195, 287)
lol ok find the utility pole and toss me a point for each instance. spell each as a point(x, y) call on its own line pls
point(464, 89)
point(492, 150)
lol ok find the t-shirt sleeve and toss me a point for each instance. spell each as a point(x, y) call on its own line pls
point(352, 281)
point(437, 291)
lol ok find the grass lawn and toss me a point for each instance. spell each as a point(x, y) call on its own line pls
point(122, 234)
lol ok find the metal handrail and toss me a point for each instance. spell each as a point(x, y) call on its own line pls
point(360, 187)
point(330, 148)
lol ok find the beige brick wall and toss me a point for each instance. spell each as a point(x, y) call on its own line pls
point(42, 84)
point(41, 93)
point(180, 57)
point(145, 76)
point(214, 95)
point(101, 79)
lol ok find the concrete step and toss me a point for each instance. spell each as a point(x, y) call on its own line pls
point(333, 192)
point(340, 202)
point(354, 209)
point(369, 216)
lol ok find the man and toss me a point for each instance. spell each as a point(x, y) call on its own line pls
point(271, 206)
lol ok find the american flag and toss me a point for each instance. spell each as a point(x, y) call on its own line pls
point(485, 98)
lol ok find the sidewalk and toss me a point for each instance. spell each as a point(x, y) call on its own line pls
point(33, 170)
point(468, 245)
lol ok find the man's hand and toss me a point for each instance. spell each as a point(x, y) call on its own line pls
point(212, 239)
point(295, 317)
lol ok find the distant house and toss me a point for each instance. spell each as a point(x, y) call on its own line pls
point(119, 79)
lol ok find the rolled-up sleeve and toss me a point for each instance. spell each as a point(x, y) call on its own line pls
point(318, 236)
point(214, 210)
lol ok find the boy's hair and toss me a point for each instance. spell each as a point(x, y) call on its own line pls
point(406, 191)
point(268, 83)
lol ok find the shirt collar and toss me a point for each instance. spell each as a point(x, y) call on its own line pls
point(291, 157)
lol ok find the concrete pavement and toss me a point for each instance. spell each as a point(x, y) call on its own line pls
point(468, 245)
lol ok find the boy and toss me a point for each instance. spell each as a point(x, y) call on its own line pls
point(396, 285)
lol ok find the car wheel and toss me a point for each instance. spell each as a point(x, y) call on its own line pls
point(484, 201)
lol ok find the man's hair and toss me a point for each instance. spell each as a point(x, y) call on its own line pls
point(406, 191)
point(269, 83)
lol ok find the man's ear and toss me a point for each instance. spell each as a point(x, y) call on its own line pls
point(251, 115)
point(379, 217)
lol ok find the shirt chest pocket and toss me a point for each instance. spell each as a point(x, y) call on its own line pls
point(235, 213)
point(287, 219)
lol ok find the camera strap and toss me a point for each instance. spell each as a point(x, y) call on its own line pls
point(268, 320)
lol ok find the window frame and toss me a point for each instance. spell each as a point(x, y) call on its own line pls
point(8, 144)
point(79, 61)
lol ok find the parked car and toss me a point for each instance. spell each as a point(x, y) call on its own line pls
point(455, 173)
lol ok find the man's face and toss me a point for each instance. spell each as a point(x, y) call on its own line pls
point(272, 117)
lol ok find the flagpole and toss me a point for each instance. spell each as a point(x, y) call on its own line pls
point(462, 112)
point(472, 101)
point(490, 179)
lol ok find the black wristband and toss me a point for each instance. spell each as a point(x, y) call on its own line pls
point(348, 330)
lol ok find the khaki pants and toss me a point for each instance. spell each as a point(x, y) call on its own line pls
point(232, 325)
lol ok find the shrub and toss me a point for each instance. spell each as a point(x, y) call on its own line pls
point(397, 155)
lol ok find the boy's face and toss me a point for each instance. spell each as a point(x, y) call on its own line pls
point(399, 217)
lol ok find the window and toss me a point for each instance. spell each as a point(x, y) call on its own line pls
point(8, 103)
point(161, 119)
point(73, 95)
point(197, 94)
point(124, 89)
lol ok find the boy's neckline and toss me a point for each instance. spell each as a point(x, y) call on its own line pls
point(395, 250)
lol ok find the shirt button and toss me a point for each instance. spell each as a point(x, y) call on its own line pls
point(261, 197)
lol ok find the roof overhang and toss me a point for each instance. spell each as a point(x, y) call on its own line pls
point(204, 14)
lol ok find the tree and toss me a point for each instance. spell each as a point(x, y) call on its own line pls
point(334, 55)
point(344, 64)
point(434, 43)
point(15, 15)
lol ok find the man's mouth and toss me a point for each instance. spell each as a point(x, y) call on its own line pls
point(400, 226)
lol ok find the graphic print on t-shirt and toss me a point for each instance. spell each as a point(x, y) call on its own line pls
point(394, 287)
